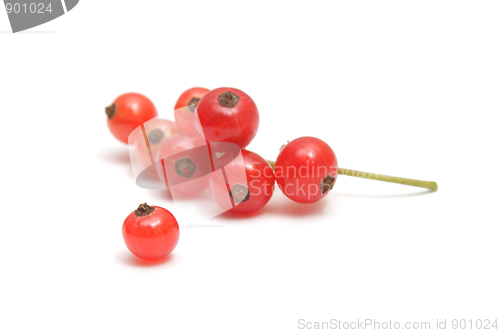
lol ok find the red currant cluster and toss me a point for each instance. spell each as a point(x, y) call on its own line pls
point(209, 125)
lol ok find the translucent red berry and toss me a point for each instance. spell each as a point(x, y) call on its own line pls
point(127, 112)
point(228, 115)
point(157, 132)
point(184, 162)
point(244, 192)
point(150, 232)
point(306, 169)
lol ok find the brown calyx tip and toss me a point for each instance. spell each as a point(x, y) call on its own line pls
point(228, 99)
point(194, 101)
point(239, 193)
point(155, 136)
point(110, 111)
point(144, 210)
point(327, 184)
point(185, 167)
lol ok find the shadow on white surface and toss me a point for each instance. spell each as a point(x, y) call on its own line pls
point(115, 155)
point(282, 206)
point(128, 259)
point(203, 226)
point(286, 207)
point(233, 217)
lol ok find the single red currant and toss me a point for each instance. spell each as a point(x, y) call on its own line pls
point(190, 97)
point(306, 169)
point(228, 115)
point(245, 192)
point(157, 132)
point(185, 161)
point(150, 232)
point(128, 112)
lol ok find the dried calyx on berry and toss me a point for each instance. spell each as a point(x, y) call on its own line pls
point(327, 184)
point(194, 101)
point(110, 111)
point(155, 136)
point(185, 167)
point(228, 99)
point(144, 210)
point(239, 193)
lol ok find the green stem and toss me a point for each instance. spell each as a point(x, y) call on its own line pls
point(398, 180)
point(433, 186)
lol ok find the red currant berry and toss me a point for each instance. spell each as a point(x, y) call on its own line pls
point(128, 112)
point(246, 192)
point(190, 97)
point(306, 169)
point(150, 232)
point(228, 115)
point(185, 161)
point(157, 132)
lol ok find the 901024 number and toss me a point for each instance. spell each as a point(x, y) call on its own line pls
point(479, 324)
point(25, 8)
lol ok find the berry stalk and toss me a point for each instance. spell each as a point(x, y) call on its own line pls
point(433, 186)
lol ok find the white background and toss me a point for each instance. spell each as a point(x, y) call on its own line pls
point(403, 88)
